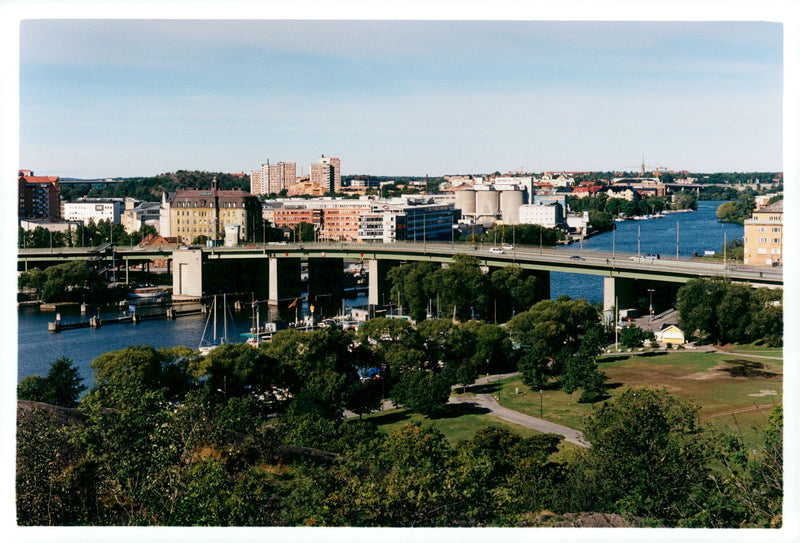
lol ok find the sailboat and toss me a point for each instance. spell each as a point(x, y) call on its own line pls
point(205, 346)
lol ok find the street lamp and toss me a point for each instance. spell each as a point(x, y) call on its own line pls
point(541, 405)
point(650, 290)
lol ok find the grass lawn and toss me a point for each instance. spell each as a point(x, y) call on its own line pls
point(732, 390)
point(459, 422)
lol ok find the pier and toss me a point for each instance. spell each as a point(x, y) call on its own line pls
point(134, 318)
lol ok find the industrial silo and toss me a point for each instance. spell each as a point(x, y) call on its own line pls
point(486, 202)
point(510, 201)
point(465, 201)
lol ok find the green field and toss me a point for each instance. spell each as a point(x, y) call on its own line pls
point(735, 393)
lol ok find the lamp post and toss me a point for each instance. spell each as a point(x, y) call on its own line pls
point(650, 290)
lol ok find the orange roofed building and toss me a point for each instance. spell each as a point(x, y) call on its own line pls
point(38, 196)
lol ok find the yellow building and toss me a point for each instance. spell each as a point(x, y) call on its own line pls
point(763, 236)
point(194, 213)
point(670, 335)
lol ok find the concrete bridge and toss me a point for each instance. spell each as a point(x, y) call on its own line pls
point(274, 270)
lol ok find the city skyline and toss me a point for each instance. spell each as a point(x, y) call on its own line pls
point(124, 98)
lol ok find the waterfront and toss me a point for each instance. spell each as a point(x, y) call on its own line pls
point(699, 231)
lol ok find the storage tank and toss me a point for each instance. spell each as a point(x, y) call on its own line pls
point(510, 201)
point(465, 201)
point(486, 203)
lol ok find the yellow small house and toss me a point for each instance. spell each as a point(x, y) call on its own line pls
point(670, 335)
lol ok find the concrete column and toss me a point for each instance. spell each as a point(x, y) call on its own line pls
point(284, 280)
point(378, 284)
point(622, 292)
point(325, 284)
point(187, 278)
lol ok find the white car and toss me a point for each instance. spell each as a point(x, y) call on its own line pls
point(496, 250)
point(508, 247)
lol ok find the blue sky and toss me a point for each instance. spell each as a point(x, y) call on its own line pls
point(116, 98)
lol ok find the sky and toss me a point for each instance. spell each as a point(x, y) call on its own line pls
point(122, 98)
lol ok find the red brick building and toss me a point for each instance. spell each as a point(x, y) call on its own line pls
point(38, 196)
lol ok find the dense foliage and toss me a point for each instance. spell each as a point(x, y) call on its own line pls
point(462, 290)
point(738, 211)
point(150, 189)
point(721, 311)
point(170, 438)
point(73, 281)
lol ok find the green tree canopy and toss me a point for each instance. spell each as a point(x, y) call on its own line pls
point(61, 386)
point(648, 455)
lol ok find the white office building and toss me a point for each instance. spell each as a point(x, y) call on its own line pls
point(94, 209)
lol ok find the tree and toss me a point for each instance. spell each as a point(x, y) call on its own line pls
point(648, 456)
point(304, 231)
point(600, 221)
point(422, 391)
point(633, 337)
point(697, 302)
point(125, 376)
point(548, 333)
point(512, 289)
point(62, 385)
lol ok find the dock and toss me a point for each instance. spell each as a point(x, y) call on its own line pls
point(134, 318)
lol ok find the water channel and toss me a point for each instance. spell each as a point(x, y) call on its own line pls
point(679, 234)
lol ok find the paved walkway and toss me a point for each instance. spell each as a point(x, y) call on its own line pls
point(488, 402)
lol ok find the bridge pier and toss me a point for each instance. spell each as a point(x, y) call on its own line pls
point(378, 283)
point(187, 277)
point(625, 293)
point(284, 280)
point(325, 284)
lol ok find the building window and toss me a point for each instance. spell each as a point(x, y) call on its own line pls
point(762, 240)
point(776, 240)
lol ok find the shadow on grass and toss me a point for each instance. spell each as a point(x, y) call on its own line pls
point(652, 353)
point(455, 410)
point(392, 417)
point(612, 358)
point(483, 389)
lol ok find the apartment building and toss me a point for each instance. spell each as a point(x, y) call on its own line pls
point(327, 173)
point(38, 196)
point(216, 214)
point(273, 178)
point(763, 236)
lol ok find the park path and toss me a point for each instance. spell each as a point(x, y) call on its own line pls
point(488, 402)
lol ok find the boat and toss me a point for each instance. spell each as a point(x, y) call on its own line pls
point(207, 346)
point(150, 293)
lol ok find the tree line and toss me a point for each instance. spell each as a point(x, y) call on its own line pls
point(257, 437)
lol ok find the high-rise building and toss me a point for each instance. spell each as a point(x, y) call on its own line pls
point(273, 178)
point(327, 173)
point(763, 236)
point(38, 196)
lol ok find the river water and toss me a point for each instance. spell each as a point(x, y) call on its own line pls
point(685, 233)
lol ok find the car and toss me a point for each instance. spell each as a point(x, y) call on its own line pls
point(508, 247)
point(576, 257)
point(496, 250)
